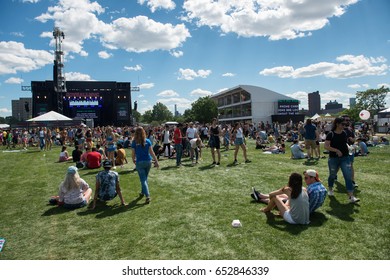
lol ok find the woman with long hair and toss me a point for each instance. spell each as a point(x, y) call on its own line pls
point(337, 144)
point(296, 210)
point(74, 192)
point(142, 154)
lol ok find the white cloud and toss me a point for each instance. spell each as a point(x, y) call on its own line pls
point(78, 19)
point(383, 85)
point(331, 95)
point(158, 4)
point(200, 92)
point(14, 57)
point(181, 103)
point(176, 53)
point(347, 66)
point(30, 1)
point(146, 86)
point(189, 74)
point(228, 75)
point(133, 68)
point(14, 80)
point(104, 54)
point(76, 76)
point(17, 34)
point(168, 93)
point(5, 112)
point(279, 19)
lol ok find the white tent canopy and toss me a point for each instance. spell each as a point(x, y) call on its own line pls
point(385, 110)
point(4, 125)
point(50, 116)
point(316, 116)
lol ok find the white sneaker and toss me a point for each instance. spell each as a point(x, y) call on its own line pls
point(330, 193)
point(353, 199)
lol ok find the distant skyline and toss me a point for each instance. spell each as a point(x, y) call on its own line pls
point(178, 51)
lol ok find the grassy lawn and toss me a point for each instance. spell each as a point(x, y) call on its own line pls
point(191, 212)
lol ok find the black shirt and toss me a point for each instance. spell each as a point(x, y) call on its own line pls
point(338, 141)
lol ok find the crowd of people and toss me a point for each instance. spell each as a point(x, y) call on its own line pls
point(106, 147)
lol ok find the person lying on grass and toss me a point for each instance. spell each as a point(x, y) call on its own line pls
point(74, 192)
point(296, 209)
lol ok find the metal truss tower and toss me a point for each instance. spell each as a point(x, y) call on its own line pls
point(58, 69)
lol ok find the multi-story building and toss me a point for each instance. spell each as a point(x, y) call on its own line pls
point(314, 99)
point(252, 104)
point(21, 109)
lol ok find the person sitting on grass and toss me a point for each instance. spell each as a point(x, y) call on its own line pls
point(275, 149)
point(363, 150)
point(315, 190)
point(120, 158)
point(296, 150)
point(296, 211)
point(107, 185)
point(74, 192)
point(64, 156)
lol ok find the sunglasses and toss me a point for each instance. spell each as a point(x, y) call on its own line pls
point(345, 124)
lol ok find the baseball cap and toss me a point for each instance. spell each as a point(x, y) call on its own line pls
point(312, 173)
point(107, 163)
point(72, 170)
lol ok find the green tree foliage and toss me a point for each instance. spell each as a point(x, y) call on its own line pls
point(137, 116)
point(147, 117)
point(372, 100)
point(204, 109)
point(159, 113)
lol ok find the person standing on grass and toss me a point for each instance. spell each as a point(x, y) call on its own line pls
point(107, 185)
point(296, 211)
point(177, 139)
point(110, 145)
point(215, 142)
point(337, 144)
point(74, 192)
point(239, 141)
point(351, 141)
point(311, 136)
point(142, 154)
point(166, 140)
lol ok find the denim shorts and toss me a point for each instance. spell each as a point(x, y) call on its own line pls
point(239, 141)
point(75, 206)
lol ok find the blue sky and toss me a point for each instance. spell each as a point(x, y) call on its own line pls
point(178, 51)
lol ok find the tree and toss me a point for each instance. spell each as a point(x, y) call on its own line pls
point(147, 117)
point(204, 109)
point(161, 113)
point(372, 100)
point(137, 116)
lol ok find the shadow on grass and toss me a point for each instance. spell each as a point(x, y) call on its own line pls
point(102, 210)
point(317, 219)
point(341, 210)
point(277, 222)
point(55, 210)
point(310, 162)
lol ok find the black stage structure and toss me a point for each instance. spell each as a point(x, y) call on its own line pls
point(106, 102)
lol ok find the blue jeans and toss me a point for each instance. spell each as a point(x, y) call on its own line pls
point(343, 163)
point(41, 142)
point(143, 168)
point(179, 153)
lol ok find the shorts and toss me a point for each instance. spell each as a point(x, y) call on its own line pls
point(239, 141)
point(287, 217)
point(75, 206)
point(214, 142)
point(310, 143)
point(111, 148)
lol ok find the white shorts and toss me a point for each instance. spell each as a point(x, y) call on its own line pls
point(287, 217)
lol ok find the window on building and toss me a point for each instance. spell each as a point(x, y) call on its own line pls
point(228, 100)
point(221, 102)
point(245, 96)
point(236, 97)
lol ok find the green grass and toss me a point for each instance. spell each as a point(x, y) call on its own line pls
point(191, 212)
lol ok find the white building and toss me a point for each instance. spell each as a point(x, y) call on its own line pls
point(252, 104)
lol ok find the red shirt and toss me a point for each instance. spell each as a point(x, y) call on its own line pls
point(177, 136)
point(93, 159)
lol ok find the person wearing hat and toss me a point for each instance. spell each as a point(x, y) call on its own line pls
point(315, 189)
point(74, 192)
point(107, 185)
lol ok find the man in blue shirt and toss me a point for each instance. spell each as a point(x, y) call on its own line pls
point(311, 136)
point(315, 189)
